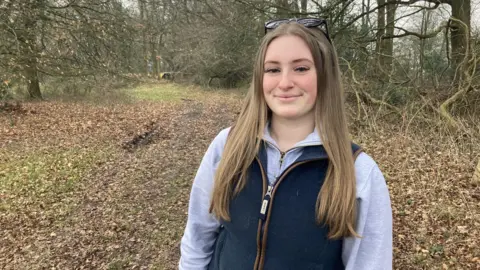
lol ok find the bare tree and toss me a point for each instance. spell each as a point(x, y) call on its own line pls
point(303, 6)
point(380, 44)
point(426, 14)
point(143, 19)
point(460, 28)
point(390, 28)
point(68, 39)
point(366, 11)
point(283, 8)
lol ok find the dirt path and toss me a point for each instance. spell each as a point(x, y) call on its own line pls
point(129, 210)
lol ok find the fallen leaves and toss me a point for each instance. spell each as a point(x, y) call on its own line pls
point(71, 197)
point(436, 216)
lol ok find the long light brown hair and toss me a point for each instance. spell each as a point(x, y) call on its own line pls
point(336, 202)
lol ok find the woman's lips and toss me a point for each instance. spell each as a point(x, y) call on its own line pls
point(287, 98)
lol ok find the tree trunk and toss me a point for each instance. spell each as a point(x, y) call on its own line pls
point(365, 29)
point(368, 13)
point(295, 7)
point(33, 84)
point(28, 40)
point(364, 18)
point(141, 6)
point(460, 34)
point(153, 57)
point(282, 8)
point(154, 36)
point(460, 42)
point(379, 48)
point(303, 6)
point(423, 30)
point(390, 31)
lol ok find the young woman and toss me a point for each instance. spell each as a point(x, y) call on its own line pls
point(284, 187)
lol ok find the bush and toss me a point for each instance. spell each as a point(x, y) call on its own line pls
point(396, 95)
point(5, 90)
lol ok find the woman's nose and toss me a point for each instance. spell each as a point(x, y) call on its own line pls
point(286, 81)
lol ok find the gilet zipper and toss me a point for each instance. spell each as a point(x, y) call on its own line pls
point(266, 209)
point(268, 194)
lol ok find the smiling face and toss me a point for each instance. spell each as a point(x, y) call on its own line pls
point(290, 79)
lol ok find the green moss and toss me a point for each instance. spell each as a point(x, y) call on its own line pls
point(160, 92)
point(44, 174)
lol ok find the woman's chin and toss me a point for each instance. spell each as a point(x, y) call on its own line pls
point(290, 115)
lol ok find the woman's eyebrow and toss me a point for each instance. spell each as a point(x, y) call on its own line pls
point(294, 61)
point(302, 60)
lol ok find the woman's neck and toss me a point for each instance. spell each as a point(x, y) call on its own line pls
point(287, 133)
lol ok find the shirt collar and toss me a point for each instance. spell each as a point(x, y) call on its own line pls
point(312, 138)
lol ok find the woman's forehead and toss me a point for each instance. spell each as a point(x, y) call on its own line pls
point(288, 48)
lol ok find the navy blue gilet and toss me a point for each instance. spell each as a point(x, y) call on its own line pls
point(287, 236)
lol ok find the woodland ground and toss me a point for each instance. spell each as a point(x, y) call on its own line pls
point(73, 195)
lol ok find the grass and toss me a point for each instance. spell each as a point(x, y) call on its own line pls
point(162, 92)
point(43, 174)
point(172, 92)
point(154, 91)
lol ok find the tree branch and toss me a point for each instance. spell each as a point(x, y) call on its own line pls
point(358, 17)
point(346, 5)
point(409, 33)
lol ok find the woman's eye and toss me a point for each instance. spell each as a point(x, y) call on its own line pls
point(272, 70)
point(302, 69)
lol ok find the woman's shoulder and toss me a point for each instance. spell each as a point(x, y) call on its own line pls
point(221, 138)
point(367, 173)
point(217, 145)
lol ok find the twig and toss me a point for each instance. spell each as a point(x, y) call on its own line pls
point(354, 88)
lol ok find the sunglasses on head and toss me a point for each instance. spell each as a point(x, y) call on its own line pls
point(307, 22)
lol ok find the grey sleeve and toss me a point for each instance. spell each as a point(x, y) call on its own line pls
point(373, 251)
point(196, 246)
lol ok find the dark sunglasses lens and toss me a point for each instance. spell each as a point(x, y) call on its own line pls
point(322, 24)
point(274, 24)
point(310, 22)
